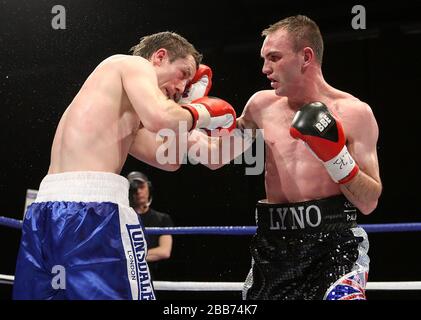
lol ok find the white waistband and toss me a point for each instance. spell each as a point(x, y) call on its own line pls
point(84, 186)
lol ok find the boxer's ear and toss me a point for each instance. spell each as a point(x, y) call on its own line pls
point(159, 56)
point(308, 57)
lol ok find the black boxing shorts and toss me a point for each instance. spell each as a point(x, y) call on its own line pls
point(310, 250)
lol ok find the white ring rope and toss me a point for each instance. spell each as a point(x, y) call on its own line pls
point(238, 286)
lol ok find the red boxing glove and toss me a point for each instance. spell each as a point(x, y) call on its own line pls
point(212, 114)
point(325, 137)
point(199, 86)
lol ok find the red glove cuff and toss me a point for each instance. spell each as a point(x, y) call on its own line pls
point(194, 114)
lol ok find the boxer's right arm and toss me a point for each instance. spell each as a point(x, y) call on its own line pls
point(155, 110)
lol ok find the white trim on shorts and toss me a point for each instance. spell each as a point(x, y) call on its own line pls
point(135, 249)
point(84, 186)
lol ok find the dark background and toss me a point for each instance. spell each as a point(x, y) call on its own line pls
point(41, 70)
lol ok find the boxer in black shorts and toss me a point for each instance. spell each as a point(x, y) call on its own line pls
point(320, 152)
point(308, 250)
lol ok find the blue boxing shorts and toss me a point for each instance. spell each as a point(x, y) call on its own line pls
point(81, 240)
point(312, 250)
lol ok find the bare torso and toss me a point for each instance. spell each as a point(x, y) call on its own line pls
point(98, 128)
point(292, 173)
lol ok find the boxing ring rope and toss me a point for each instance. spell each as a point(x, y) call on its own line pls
point(238, 286)
point(243, 230)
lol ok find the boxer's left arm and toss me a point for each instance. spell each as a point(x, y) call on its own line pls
point(346, 144)
point(362, 132)
point(149, 147)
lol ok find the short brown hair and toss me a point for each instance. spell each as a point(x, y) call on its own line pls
point(304, 31)
point(177, 46)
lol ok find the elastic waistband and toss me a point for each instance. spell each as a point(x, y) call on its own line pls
point(328, 214)
point(84, 186)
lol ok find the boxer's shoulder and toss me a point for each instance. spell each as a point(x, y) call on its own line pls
point(263, 97)
point(126, 64)
point(261, 101)
point(351, 109)
point(341, 102)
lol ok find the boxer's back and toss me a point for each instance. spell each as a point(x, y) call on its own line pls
point(98, 127)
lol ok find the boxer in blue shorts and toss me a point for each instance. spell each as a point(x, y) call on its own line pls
point(80, 238)
point(82, 223)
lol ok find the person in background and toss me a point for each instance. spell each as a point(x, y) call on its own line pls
point(159, 246)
